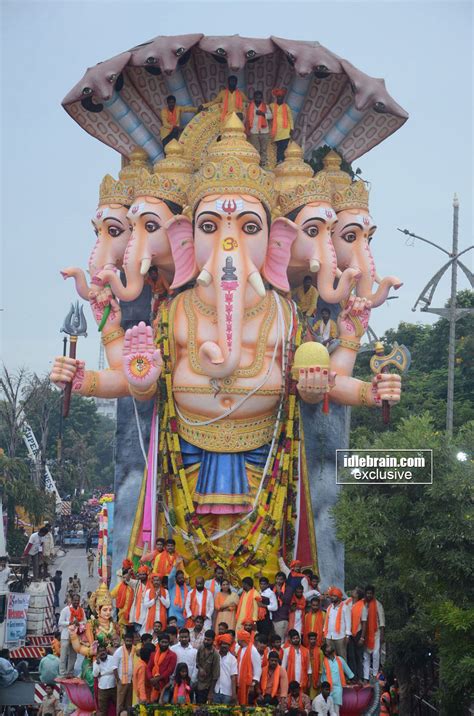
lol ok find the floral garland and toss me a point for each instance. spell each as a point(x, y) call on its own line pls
point(277, 507)
point(189, 709)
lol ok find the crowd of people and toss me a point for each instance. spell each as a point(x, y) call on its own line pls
point(283, 644)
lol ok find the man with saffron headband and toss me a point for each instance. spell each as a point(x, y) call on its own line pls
point(123, 670)
point(337, 627)
point(178, 591)
point(294, 574)
point(123, 594)
point(171, 119)
point(157, 601)
point(335, 671)
point(273, 682)
point(258, 127)
point(282, 124)
point(314, 621)
point(225, 690)
point(296, 660)
point(373, 631)
point(199, 602)
point(231, 100)
point(72, 614)
point(138, 608)
point(248, 604)
point(250, 669)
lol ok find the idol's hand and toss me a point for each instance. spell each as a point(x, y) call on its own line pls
point(68, 370)
point(142, 362)
point(354, 317)
point(387, 386)
point(314, 383)
point(99, 300)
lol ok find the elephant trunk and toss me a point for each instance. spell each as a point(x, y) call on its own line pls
point(221, 359)
point(382, 292)
point(364, 286)
point(325, 283)
point(79, 277)
point(129, 292)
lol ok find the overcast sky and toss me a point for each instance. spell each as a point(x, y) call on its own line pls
point(51, 168)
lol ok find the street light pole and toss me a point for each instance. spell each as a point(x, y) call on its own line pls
point(452, 320)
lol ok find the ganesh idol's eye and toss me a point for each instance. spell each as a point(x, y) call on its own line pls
point(312, 231)
point(250, 54)
point(114, 231)
point(220, 51)
point(151, 226)
point(180, 51)
point(350, 237)
point(208, 227)
point(251, 228)
point(371, 236)
point(95, 230)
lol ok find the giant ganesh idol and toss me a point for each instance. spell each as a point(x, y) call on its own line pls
point(229, 358)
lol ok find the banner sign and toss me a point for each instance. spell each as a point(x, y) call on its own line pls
point(17, 610)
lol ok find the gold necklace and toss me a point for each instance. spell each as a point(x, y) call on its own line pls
point(207, 310)
point(256, 366)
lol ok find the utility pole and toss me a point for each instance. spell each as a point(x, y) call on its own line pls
point(452, 313)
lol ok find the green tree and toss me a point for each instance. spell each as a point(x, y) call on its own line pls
point(414, 542)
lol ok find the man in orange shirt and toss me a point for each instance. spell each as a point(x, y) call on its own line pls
point(231, 100)
point(273, 682)
point(141, 682)
point(171, 119)
point(247, 609)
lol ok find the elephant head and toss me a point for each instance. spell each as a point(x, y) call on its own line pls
point(230, 247)
point(352, 236)
point(158, 196)
point(111, 225)
point(307, 201)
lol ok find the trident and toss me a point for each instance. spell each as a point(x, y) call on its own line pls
point(74, 325)
point(400, 357)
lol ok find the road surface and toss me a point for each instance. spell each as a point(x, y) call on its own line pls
point(74, 561)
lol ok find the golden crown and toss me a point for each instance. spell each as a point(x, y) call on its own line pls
point(232, 166)
point(338, 179)
point(354, 196)
point(294, 170)
point(122, 190)
point(316, 189)
point(170, 177)
point(100, 598)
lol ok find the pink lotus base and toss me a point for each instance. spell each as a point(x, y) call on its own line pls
point(355, 700)
point(80, 695)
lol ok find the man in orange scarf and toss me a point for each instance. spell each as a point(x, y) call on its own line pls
point(70, 615)
point(315, 655)
point(297, 609)
point(123, 670)
point(138, 609)
point(337, 626)
point(157, 601)
point(296, 660)
point(247, 609)
point(230, 99)
point(123, 594)
point(199, 602)
point(141, 682)
point(355, 651)
point(335, 671)
point(161, 666)
point(225, 690)
point(250, 669)
point(373, 631)
point(282, 125)
point(171, 119)
point(178, 591)
point(273, 682)
point(258, 127)
point(314, 621)
point(267, 606)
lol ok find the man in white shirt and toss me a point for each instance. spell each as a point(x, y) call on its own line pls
point(47, 551)
point(296, 661)
point(267, 605)
point(186, 654)
point(34, 549)
point(103, 668)
point(73, 614)
point(323, 705)
point(157, 601)
point(225, 690)
point(247, 691)
point(5, 572)
point(337, 627)
point(123, 672)
point(197, 634)
point(138, 609)
point(258, 128)
point(214, 584)
point(373, 632)
point(199, 602)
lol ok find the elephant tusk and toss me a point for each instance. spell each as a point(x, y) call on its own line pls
point(314, 265)
point(204, 278)
point(255, 280)
point(144, 266)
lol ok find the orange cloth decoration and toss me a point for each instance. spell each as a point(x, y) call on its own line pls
point(327, 669)
point(249, 611)
point(335, 592)
point(224, 639)
point(304, 666)
point(245, 676)
point(276, 681)
point(279, 92)
point(77, 614)
point(164, 563)
point(178, 597)
point(371, 624)
point(141, 685)
point(125, 656)
point(356, 613)
point(315, 661)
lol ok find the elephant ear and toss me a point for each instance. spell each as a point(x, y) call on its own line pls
point(282, 234)
point(180, 234)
